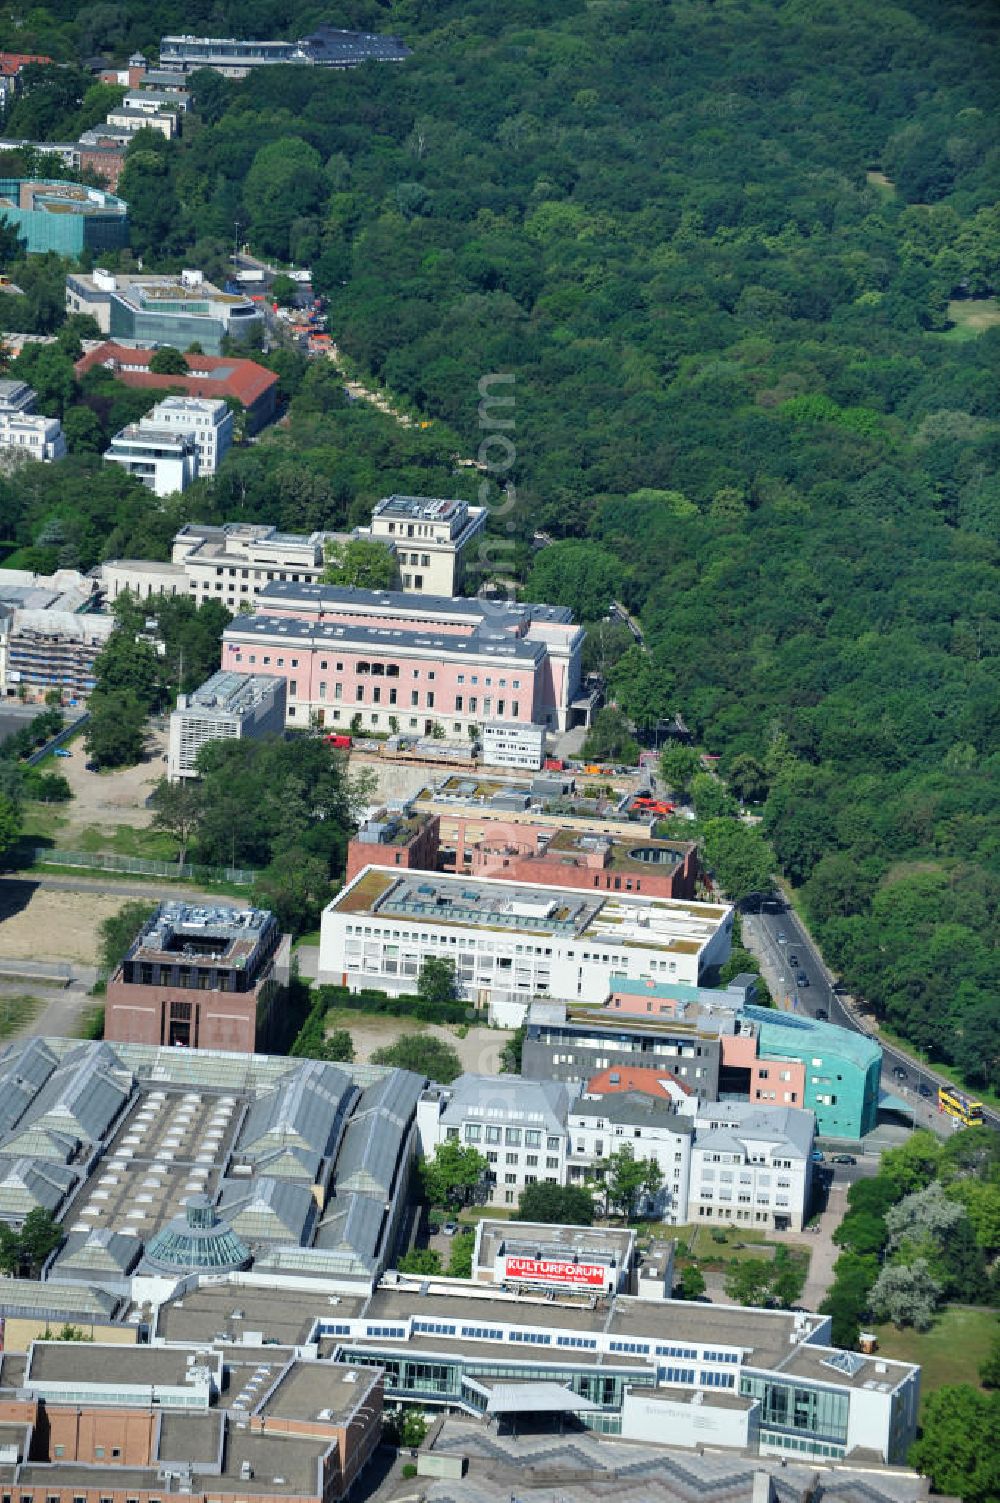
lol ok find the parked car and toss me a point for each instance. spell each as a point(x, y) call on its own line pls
point(801, 979)
point(433, 1227)
point(61, 751)
point(899, 1072)
point(821, 1015)
point(817, 1156)
point(450, 1228)
point(781, 937)
point(925, 1089)
point(793, 960)
point(843, 1158)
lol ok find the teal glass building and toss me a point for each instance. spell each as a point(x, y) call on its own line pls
point(68, 218)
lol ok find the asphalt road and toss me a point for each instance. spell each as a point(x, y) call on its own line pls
point(792, 953)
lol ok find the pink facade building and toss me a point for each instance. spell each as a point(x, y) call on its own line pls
point(386, 660)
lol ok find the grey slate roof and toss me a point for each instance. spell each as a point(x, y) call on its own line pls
point(634, 1109)
point(732, 1125)
point(531, 1103)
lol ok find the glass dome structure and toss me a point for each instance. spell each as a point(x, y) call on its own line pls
point(197, 1241)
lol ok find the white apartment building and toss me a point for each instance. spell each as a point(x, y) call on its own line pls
point(506, 743)
point(23, 432)
point(164, 459)
point(128, 117)
point(228, 706)
point(600, 1126)
point(208, 419)
point(751, 1165)
point(512, 942)
point(519, 1126)
point(431, 539)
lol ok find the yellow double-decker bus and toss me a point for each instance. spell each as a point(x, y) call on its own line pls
point(960, 1106)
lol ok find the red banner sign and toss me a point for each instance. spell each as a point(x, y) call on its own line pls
point(541, 1270)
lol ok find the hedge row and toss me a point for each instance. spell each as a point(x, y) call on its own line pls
point(395, 1007)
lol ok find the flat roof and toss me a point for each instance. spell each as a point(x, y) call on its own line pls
point(283, 1315)
point(295, 1459)
point(192, 931)
point(385, 640)
point(532, 908)
point(853, 1369)
point(519, 1238)
point(228, 693)
point(108, 1365)
point(389, 1304)
point(325, 1391)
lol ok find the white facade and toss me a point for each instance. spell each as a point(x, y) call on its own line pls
point(431, 538)
point(512, 942)
point(130, 119)
point(208, 419)
point(228, 707)
point(164, 460)
point(603, 1126)
point(751, 1165)
point(690, 1419)
point(508, 744)
point(519, 1126)
point(32, 436)
point(23, 432)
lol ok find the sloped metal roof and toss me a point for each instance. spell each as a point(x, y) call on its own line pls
point(23, 1072)
point(99, 1252)
point(302, 1111)
point(268, 1210)
point(369, 1153)
point(353, 1226)
point(83, 1095)
point(27, 1184)
point(395, 1095)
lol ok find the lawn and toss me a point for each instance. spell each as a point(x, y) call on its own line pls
point(16, 1013)
point(970, 317)
point(126, 840)
point(950, 1352)
point(703, 1247)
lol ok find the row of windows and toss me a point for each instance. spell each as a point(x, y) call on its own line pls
point(534, 1338)
point(640, 1347)
point(430, 1328)
point(483, 1333)
point(718, 1380)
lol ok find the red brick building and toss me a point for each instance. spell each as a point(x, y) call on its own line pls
point(200, 978)
point(210, 376)
point(514, 851)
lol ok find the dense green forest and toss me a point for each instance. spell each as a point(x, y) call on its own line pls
point(740, 258)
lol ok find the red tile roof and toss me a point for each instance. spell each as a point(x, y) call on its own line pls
point(635, 1078)
point(212, 375)
point(11, 63)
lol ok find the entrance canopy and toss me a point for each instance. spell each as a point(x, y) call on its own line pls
point(537, 1398)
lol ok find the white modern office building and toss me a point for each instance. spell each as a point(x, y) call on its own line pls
point(208, 419)
point(227, 707)
point(751, 1166)
point(519, 1126)
point(506, 743)
point(512, 942)
point(164, 459)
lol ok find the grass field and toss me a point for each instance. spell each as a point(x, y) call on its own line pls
point(950, 1352)
point(879, 180)
point(970, 317)
point(16, 1013)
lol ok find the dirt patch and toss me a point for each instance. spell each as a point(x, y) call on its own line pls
point(879, 180)
point(108, 799)
point(55, 925)
point(479, 1051)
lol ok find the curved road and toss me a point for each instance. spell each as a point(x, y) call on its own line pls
point(792, 951)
